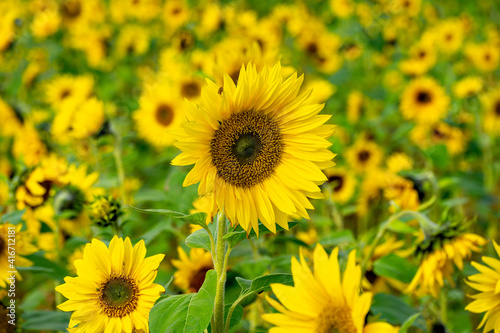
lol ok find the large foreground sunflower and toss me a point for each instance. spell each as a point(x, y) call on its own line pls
point(322, 302)
point(488, 298)
point(114, 289)
point(259, 146)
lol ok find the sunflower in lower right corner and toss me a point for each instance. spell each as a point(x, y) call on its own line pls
point(487, 282)
point(323, 302)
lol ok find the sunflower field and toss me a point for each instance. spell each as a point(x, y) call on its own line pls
point(282, 166)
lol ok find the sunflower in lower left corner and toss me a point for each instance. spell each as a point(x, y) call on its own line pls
point(114, 289)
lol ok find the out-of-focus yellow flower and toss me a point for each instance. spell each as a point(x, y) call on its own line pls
point(342, 8)
point(437, 263)
point(191, 269)
point(484, 57)
point(321, 89)
point(397, 162)
point(340, 185)
point(23, 247)
point(468, 87)
point(364, 155)
point(424, 101)
point(491, 111)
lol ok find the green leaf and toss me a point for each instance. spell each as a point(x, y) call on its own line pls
point(393, 266)
point(408, 322)
point(200, 238)
point(41, 320)
point(251, 269)
point(196, 218)
point(394, 310)
point(44, 266)
point(235, 317)
point(337, 238)
point(238, 234)
point(263, 283)
point(189, 313)
point(244, 283)
point(13, 217)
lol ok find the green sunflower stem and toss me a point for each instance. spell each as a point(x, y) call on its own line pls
point(221, 260)
point(443, 305)
point(117, 154)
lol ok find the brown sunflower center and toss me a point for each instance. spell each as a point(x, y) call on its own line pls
point(335, 319)
point(3, 244)
point(364, 155)
point(71, 9)
point(118, 296)
point(497, 108)
point(190, 89)
point(65, 93)
point(337, 181)
point(246, 148)
point(198, 279)
point(164, 114)
point(423, 97)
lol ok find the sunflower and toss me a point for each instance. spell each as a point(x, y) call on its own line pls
point(322, 301)
point(258, 146)
point(175, 13)
point(484, 57)
point(398, 161)
point(11, 123)
point(468, 86)
point(450, 35)
point(132, 41)
point(114, 289)
point(78, 121)
point(424, 101)
point(159, 113)
point(355, 106)
point(491, 106)
point(191, 270)
point(422, 58)
point(28, 146)
point(342, 184)
point(65, 87)
point(364, 155)
point(21, 248)
point(488, 299)
point(401, 192)
point(342, 8)
point(437, 260)
point(322, 89)
point(441, 133)
point(71, 199)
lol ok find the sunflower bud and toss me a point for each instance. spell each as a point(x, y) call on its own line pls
point(104, 210)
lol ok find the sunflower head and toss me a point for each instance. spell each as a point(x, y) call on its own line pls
point(114, 287)
point(257, 145)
